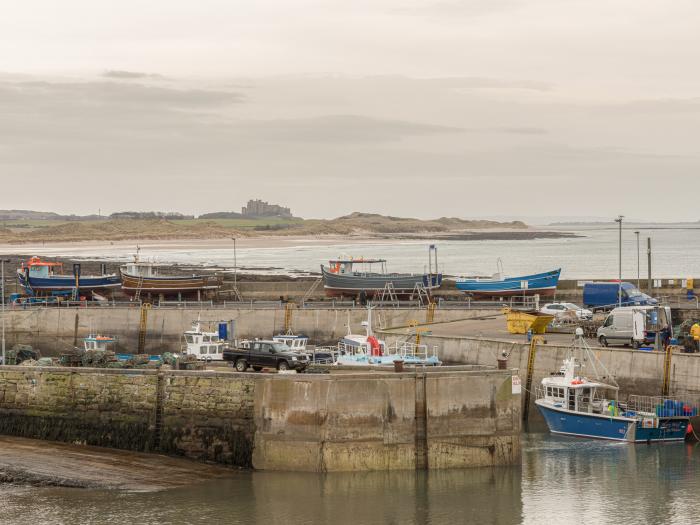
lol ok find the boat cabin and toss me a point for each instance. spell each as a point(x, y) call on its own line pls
point(38, 268)
point(345, 266)
point(98, 342)
point(207, 346)
point(577, 394)
point(296, 343)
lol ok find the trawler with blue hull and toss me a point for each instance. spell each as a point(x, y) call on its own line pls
point(574, 405)
point(39, 276)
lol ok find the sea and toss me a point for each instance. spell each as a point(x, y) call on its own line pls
point(560, 481)
point(592, 254)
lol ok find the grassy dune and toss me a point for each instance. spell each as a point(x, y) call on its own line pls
point(23, 231)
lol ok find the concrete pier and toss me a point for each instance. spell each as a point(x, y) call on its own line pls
point(375, 420)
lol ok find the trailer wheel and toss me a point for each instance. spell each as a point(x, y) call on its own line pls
point(603, 341)
point(241, 365)
point(635, 344)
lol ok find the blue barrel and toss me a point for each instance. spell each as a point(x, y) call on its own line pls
point(223, 331)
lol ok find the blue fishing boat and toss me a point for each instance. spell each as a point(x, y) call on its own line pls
point(544, 284)
point(574, 405)
point(37, 276)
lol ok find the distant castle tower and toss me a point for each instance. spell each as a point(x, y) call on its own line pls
point(258, 208)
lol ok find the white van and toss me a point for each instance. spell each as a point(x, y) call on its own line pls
point(633, 325)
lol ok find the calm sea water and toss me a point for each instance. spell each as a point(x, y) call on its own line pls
point(676, 254)
point(561, 480)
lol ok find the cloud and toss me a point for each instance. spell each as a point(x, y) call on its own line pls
point(129, 75)
point(462, 8)
point(340, 128)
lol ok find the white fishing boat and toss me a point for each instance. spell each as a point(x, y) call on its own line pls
point(366, 350)
point(205, 346)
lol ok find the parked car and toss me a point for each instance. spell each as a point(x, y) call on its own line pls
point(567, 309)
point(604, 295)
point(261, 354)
point(634, 325)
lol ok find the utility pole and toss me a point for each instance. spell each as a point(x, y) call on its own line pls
point(2, 276)
point(649, 283)
point(637, 234)
point(619, 261)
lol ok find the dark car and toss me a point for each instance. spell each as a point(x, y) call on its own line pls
point(265, 354)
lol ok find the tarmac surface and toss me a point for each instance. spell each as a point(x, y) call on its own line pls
point(493, 327)
point(49, 463)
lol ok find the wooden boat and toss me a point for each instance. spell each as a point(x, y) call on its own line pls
point(36, 275)
point(543, 284)
point(141, 278)
point(342, 278)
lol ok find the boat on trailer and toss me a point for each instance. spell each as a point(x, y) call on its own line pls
point(543, 284)
point(574, 405)
point(349, 277)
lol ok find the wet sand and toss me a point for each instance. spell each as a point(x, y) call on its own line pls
point(49, 463)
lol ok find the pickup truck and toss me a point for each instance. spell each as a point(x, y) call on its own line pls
point(265, 354)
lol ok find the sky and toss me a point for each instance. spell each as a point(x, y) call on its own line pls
point(424, 108)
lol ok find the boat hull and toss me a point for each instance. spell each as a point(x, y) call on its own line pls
point(67, 282)
point(598, 426)
point(587, 425)
point(374, 283)
point(169, 285)
point(543, 284)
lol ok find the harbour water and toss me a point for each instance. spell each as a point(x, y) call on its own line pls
point(561, 480)
point(593, 254)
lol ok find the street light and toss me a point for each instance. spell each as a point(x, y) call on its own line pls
point(637, 234)
point(2, 277)
point(619, 261)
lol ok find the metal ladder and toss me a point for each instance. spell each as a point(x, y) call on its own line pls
point(142, 327)
point(420, 293)
point(311, 290)
point(389, 293)
point(139, 286)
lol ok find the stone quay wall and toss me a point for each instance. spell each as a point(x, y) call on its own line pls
point(371, 420)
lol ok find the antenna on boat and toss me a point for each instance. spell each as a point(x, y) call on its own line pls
point(587, 356)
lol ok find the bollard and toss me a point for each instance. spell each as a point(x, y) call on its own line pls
point(398, 365)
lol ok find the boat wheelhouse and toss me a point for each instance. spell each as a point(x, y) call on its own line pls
point(205, 346)
point(36, 275)
point(99, 342)
point(575, 405)
point(295, 342)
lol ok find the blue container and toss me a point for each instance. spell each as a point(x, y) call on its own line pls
point(223, 331)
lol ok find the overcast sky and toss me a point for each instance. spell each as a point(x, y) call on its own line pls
point(409, 107)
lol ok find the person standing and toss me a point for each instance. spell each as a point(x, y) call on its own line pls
point(695, 334)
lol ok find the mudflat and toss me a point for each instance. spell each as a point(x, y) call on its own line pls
point(49, 463)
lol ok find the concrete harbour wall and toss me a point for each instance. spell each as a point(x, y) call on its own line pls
point(55, 330)
point(372, 420)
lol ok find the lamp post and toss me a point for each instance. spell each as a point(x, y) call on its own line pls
point(619, 261)
point(2, 276)
point(638, 282)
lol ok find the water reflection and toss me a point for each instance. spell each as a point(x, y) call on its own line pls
point(562, 480)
